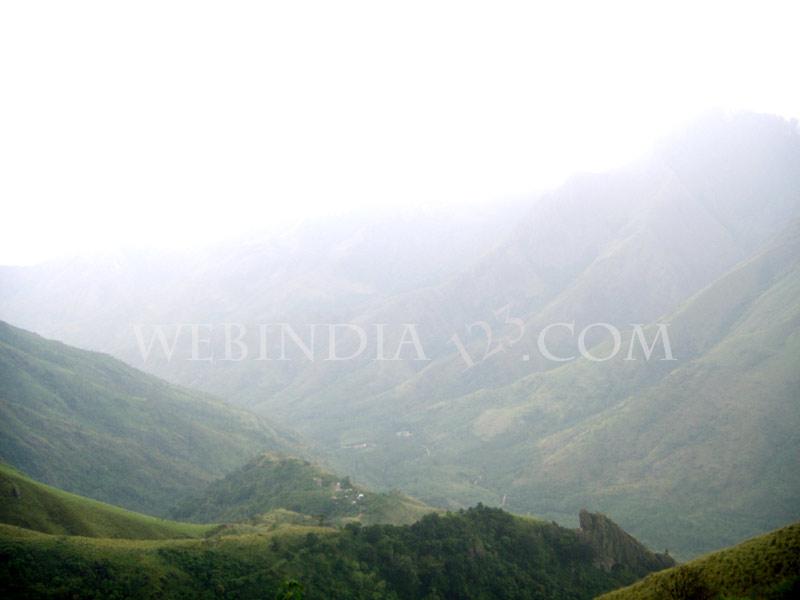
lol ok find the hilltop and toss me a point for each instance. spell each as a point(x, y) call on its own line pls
point(271, 481)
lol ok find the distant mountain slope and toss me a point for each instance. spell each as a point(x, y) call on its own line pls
point(627, 246)
point(696, 456)
point(621, 247)
point(32, 505)
point(690, 453)
point(766, 567)
point(89, 424)
point(332, 269)
point(480, 553)
point(271, 481)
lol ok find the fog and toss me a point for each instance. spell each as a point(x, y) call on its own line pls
point(275, 277)
point(175, 124)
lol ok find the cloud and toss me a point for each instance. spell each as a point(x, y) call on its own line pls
point(171, 122)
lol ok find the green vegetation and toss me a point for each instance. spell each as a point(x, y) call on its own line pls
point(32, 505)
point(690, 454)
point(87, 423)
point(693, 453)
point(272, 481)
point(767, 567)
point(480, 553)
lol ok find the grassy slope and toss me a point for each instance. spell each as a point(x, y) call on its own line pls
point(764, 567)
point(481, 553)
point(484, 445)
point(272, 481)
point(36, 506)
point(691, 489)
point(690, 462)
point(688, 455)
point(88, 423)
point(720, 475)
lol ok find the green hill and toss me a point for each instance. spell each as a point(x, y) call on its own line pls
point(480, 553)
point(32, 505)
point(692, 452)
point(689, 453)
point(89, 424)
point(767, 567)
point(271, 481)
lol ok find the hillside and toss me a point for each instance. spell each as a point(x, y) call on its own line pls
point(607, 435)
point(766, 567)
point(719, 477)
point(667, 238)
point(89, 424)
point(271, 482)
point(32, 505)
point(480, 553)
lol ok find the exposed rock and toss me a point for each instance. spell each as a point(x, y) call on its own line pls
point(614, 547)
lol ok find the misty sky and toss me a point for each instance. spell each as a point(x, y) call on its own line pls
point(170, 123)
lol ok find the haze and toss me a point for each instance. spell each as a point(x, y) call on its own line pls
point(170, 124)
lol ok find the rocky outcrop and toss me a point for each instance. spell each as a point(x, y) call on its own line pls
point(613, 547)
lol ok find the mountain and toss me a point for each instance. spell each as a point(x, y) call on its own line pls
point(666, 239)
point(331, 269)
point(271, 481)
point(32, 505)
point(90, 424)
point(621, 247)
point(690, 453)
point(478, 553)
point(765, 567)
point(693, 454)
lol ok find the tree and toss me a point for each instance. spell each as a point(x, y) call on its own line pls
point(290, 589)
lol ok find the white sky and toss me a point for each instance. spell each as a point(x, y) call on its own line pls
point(168, 123)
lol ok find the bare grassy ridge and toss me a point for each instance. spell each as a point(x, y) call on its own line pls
point(764, 567)
point(35, 506)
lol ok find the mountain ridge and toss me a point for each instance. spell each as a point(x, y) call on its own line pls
point(631, 245)
point(271, 481)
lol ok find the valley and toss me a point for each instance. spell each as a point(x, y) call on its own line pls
point(399, 300)
point(515, 403)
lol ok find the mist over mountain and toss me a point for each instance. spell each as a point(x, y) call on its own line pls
point(402, 301)
point(700, 234)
